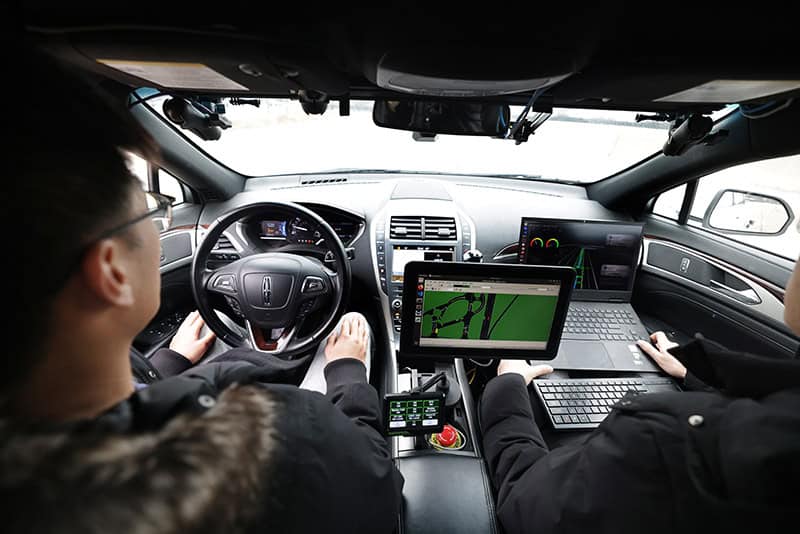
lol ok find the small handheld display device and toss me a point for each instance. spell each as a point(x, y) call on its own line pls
point(413, 414)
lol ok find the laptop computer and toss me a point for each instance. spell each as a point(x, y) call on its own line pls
point(602, 327)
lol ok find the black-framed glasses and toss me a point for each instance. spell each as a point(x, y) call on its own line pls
point(159, 209)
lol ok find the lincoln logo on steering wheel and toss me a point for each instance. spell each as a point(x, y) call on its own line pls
point(266, 289)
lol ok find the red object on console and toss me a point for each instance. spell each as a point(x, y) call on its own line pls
point(447, 437)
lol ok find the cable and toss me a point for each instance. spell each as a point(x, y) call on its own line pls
point(440, 376)
point(488, 364)
point(524, 113)
point(474, 372)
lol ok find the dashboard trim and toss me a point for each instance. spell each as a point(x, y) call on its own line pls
point(186, 260)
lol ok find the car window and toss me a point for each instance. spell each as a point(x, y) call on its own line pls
point(169, 185)
point(757, 204)
point(138, 166)
point(668, 204)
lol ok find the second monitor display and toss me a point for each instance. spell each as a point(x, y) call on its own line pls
point(603, 254)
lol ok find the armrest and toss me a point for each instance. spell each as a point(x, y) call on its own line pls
point(446, 493)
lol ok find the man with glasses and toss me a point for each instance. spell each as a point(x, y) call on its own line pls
point(215, 450)
point(191, 342)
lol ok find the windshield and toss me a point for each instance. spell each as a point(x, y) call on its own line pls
point(575, 145)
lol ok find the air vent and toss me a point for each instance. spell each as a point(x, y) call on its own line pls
point(223, 243)
point(317, 181)
point(223, 253)
point(405, 228)
point(423, 228)
point(439, 228)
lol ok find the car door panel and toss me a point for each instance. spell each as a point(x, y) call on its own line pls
point(177, 250)
point(176, 304)
point(694, 282)
point(715, 279)
point(684, 312)
point(771, 269)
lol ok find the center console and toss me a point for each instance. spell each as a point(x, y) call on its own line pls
point(444, 487)
point(438, 309)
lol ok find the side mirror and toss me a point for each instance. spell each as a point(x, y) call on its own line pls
point(742, 212)
point(438, 117)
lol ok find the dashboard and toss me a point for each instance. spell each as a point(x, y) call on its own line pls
point(389, 219)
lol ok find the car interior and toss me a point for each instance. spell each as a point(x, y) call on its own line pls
point(544, 183)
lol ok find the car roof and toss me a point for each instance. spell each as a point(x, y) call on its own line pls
point(609, 55)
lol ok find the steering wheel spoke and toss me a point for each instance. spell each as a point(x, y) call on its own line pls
point(271, 341)
point(222, 281)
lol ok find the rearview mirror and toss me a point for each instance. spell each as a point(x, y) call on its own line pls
point(456, 118)
point(742, 212)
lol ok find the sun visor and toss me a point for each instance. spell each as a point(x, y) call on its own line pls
point(467, 73)
point(208, 65)
point(728, 91)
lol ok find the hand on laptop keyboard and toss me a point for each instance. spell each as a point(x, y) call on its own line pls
point(658, 351)
point(521, 367)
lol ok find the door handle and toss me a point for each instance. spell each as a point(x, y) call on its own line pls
point(745, 296)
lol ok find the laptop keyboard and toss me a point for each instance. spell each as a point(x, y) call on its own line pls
point(585, 323)
point(578, 404)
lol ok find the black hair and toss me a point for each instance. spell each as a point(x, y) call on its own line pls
point(70, 183)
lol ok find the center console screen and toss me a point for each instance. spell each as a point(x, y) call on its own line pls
point(402, 254)
point(484, 310)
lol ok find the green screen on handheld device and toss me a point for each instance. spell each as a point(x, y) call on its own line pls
point(411, 414)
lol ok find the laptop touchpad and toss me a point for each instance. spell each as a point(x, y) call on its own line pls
point(586, 354)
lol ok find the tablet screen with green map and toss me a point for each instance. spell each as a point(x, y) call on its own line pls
point(465, 313)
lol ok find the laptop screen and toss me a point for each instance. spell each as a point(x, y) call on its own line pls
point(603, 254)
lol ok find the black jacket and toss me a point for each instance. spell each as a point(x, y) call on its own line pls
point(647, 468)
point(205, 452)
point(165, 363)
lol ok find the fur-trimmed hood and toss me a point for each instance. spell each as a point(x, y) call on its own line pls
point(198, 472)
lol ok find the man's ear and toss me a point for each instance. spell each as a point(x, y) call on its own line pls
point(105, 273)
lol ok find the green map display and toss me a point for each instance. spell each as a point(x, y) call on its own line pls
point(495, 316)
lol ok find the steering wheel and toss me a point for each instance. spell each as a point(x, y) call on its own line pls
point(273, 292)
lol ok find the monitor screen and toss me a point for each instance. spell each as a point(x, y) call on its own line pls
point(402, 254)
point(484, 312)
point(603, 254)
